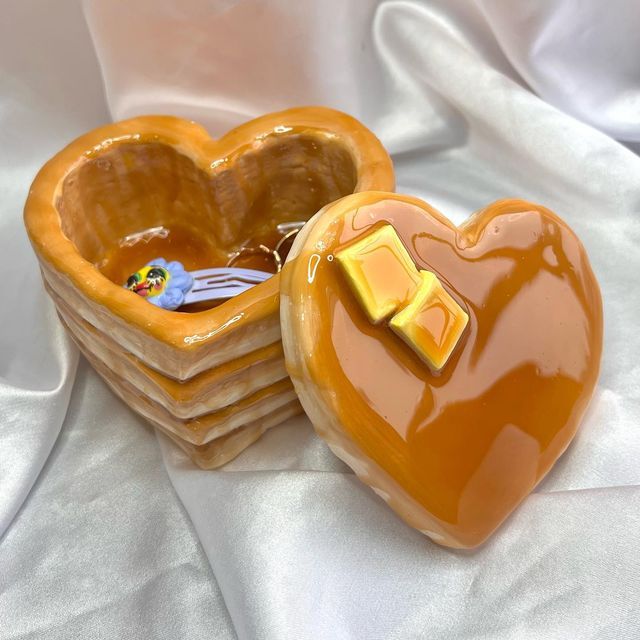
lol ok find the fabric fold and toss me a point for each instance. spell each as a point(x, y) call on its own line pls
point(476, 101)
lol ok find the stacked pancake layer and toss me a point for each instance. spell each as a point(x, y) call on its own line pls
point(212, 378)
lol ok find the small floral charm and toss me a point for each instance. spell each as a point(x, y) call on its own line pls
point(162, 283)
point(169, 286)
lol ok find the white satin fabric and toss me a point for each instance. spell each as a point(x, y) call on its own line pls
point(476, 101)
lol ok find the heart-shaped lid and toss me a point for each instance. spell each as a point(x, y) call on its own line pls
point(449, 367)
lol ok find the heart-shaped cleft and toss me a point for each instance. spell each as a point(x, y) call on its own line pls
point(449, 367)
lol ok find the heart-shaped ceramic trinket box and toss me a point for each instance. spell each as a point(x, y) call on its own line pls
point(449, 367)
point(154, 186)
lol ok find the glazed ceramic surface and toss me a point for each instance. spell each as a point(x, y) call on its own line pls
point(454, 451)
point(159, 186)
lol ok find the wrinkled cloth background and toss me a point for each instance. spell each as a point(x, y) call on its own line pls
point(109, 532)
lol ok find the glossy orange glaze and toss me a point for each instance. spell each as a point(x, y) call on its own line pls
point(171, 242)
point(452, 452)
point(133, 202)
point(159, 186)
point(138, 176)
point(195, 251)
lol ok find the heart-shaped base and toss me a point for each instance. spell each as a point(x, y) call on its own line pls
point(155, 186)
point(452, 452)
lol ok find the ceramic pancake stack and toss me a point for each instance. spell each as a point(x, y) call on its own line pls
point(213, 380)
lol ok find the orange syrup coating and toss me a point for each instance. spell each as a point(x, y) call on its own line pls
point(158, 186)
point(452, 452)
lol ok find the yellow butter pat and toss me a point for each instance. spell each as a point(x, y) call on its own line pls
point(432, 323)
point(380, 272)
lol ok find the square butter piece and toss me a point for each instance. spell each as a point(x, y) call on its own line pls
point(432, 323)
point(380, 272)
